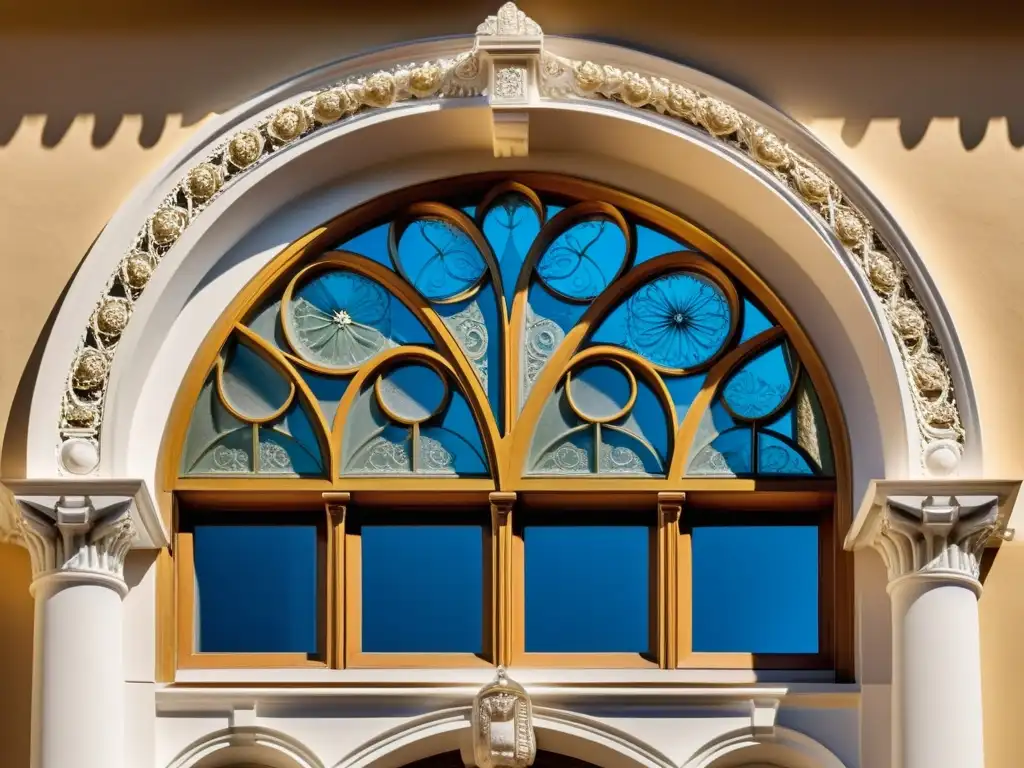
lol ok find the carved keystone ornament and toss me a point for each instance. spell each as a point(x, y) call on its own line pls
point(503, 725)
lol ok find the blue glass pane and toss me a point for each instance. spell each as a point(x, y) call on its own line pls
point(328, 391)
point(729, 454)
point(550, 211)
point(583, 260)
point(291, 447)
point(256, 589)
point(511, 226)
point(439, 259)
point(253, 387)
point(754, 321)
point(650, 244)
point(784, 424)
point(587, 588)
point(748, 599)
point(776, 456)
point(373, 244)
point(678, 321)
point(761, 385)
point(458, 438)
point(340, 320)
point(439, 609)
point(683, 390)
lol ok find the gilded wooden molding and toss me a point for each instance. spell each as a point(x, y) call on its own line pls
point(548, 77)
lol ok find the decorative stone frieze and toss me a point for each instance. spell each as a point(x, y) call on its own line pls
point(502, 723)
point(940, 532)
point(508, 65)
point(83, 531)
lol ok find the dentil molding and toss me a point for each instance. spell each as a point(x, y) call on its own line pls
point(81, 530)
point(934, 530)
point(509, 67)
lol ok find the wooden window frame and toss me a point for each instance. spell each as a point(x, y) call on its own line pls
point(809, 508)
point(620, 509)
point(413, 514)
point(185, 589)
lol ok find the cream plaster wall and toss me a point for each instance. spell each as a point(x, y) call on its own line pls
point(89, 105)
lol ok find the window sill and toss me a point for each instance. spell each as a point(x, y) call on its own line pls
point(476, 677)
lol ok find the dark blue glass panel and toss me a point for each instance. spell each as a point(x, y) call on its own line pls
point(439, 609)
point(754, 321)
point(459, 435)
point(256, 588)
point(650, 244)
point(683, 390)
point(587, 588)
point(328, 391)
point(777, 456)
point(583, 260)
point(755, 589)
point(511, 226)
point(373, 244)
point(761, 385)
point(439, 259)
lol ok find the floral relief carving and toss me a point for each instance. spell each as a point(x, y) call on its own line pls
point(466, 75)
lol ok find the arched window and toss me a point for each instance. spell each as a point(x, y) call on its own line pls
point(551, 424)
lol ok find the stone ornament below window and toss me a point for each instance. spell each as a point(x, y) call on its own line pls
point(503, 725)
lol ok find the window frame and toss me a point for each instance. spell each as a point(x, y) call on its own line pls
point(545, 509)
point(349, 571)
point(284, 495)
point(187, 656)
point(795, 508)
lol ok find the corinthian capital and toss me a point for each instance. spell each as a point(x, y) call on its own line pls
point(934, 530)
point(81, 530)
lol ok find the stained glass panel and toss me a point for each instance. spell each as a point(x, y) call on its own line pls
point(510, 226)
point(439, 259)
point(584, 260)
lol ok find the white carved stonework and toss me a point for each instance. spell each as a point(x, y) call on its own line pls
point(503, 725)
point(512, 44)
point(82, 531)
point(940, 534)
point(509, 21)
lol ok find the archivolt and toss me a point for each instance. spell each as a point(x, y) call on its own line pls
point(468, 74)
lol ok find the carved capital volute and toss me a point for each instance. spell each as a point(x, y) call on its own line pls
point(503, 725)
point(939, 535)
point(80, 531)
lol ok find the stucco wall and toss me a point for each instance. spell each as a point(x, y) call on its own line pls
point(930, 121)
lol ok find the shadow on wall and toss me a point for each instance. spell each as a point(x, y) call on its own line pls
point(859, 63)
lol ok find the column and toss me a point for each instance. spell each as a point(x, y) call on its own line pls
point(78, 546)
point(932, 546)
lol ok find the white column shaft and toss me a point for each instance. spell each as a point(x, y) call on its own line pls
point(936, 675)
point(79, 678)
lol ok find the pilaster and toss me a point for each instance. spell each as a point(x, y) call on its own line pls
point(502, 503)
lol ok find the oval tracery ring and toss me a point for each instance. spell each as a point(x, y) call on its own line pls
point(411, 393)
point(439, 251)
point(608, 385)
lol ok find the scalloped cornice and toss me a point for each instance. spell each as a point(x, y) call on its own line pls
point(508, 65)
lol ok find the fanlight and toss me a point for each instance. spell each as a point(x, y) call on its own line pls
point(554, 328)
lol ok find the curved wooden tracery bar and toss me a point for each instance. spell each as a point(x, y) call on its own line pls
point(459, 209)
